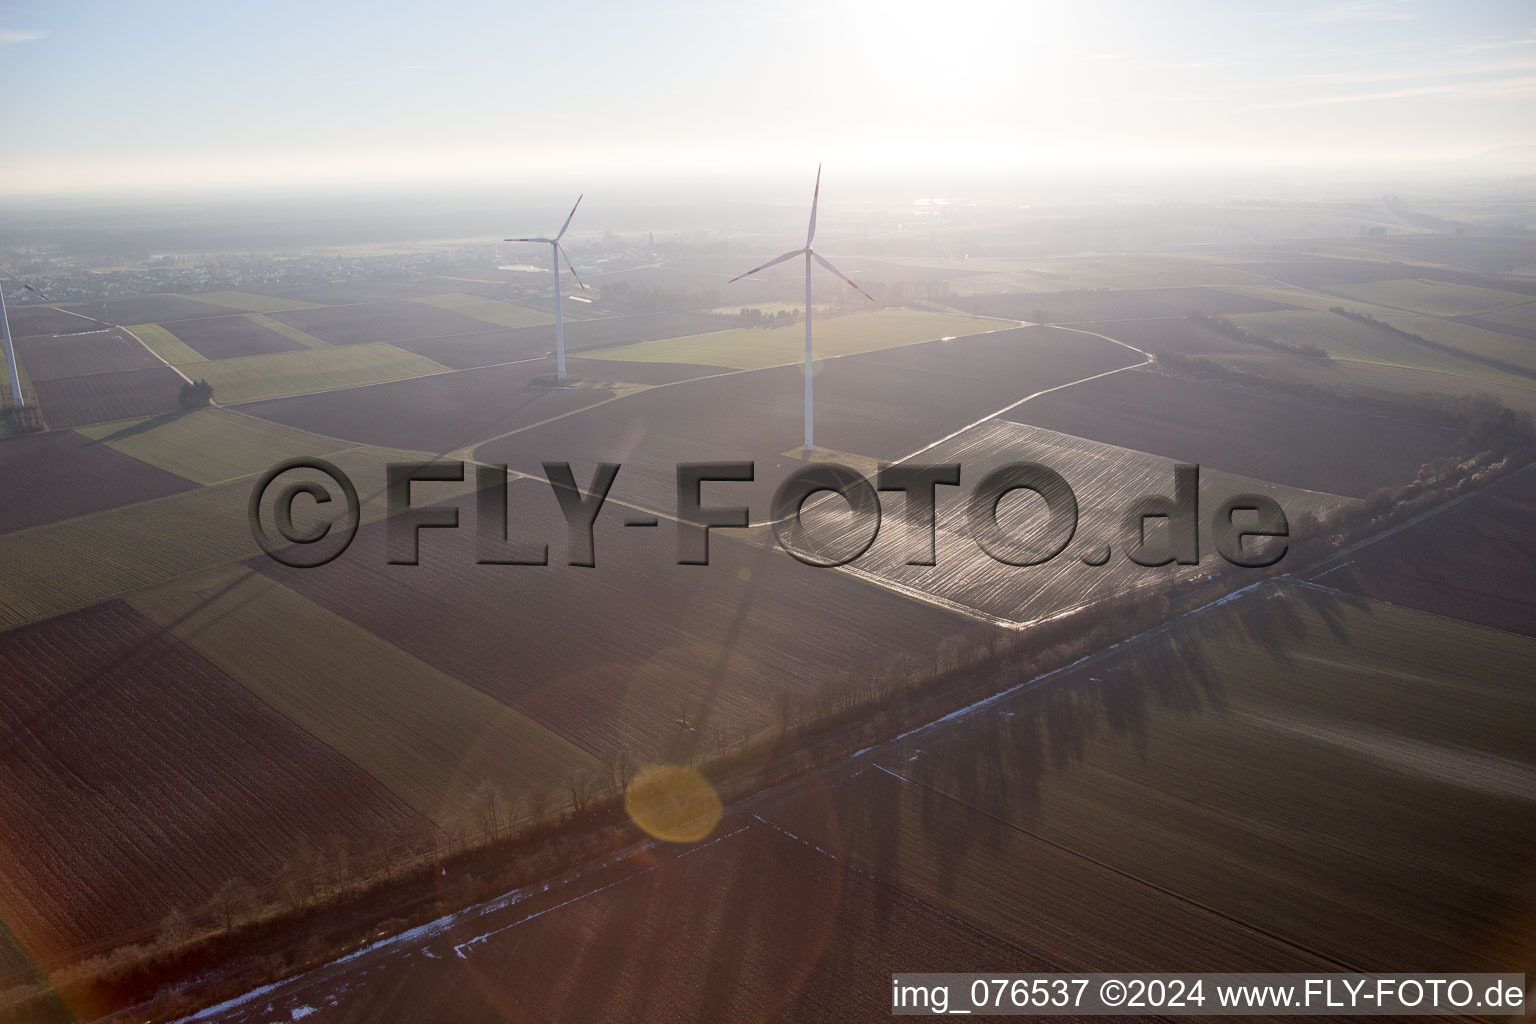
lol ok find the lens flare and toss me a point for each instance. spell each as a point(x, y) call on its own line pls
point(673, 802)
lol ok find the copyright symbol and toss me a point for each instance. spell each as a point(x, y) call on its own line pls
point(1112, 992)
point(288, 547)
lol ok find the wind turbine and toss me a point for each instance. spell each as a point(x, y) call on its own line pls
point(556, 251)
point(10, 349)
point(809, 254)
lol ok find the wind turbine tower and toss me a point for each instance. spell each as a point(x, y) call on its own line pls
point(809, 254)
point(556, 251)
point(10, 349)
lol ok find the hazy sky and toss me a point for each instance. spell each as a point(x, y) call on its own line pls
point(136, 93)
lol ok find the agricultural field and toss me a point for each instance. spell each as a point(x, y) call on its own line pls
point(249, 378)
point(1321, 273)
point(76, 355)
point(1514, 355)
point(166, 345)
point(757, 347)
point(208, 446)
point(1505, 323)
point(1226, 426)
point(347, 293)
point(1344, 338)
point(428, 738)
point(32, 319)
point(471, 350)
point(1433, 298)
point(1100, 305)
point(492, 311)
point(139, 777)
point(225, 337)
point(249, 302)
point(880, 405)
point(1080, 273)
point(439, 413)
point(670, 657)
point(619, 371)
point(1106, 481)
point(99, 397)
point(1472, 561)
point(1382, 380)
point(1522, 319)
point(79, 562)
point(150, 309)
point(383, 321)
point(824, 940)
point(1299, 777)
point(1000, 877)
point(291, 333)
point(1172, 335)
point(1347, 777)
point(1190, 801)
point(61, 474)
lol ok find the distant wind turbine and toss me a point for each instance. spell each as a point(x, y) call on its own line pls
point(556, 250)
point(809, 254)
point(10, 349)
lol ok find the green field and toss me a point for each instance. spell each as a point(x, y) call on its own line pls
point(1347, 339)
point(1475, 341)
point(292, 333)
point(209, 446)
point(504, 314)
point(1388, 380)
point(1288, 295)
point(1435, 298)
point(1520, 317)
point(249, 302)
point(166, 345)
point(72, 564)
point(426, 736)
point(248, 378)
point(751, 348)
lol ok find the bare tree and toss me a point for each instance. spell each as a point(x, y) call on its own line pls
point(621, 770)
point(538, 805)
point(488, 808)
point(581, 792)
point(338, 861)
point(297, 882)
point(233, 900)
point(175, 930)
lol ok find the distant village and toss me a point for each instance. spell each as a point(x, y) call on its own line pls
point(75, 279)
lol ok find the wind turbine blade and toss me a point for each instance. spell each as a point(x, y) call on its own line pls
point(846, 279)
point(815, 198)
point(19, 281)
point(568, 266)
point(777, 259)
point(546, 241)
point(568, 219)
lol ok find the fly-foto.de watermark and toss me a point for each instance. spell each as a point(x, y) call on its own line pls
point(1247, 530)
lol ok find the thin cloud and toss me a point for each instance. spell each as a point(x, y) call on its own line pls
point(12, 36)
point(1503, 89)
point(1358, 10)
point(1464, 70)
point(1503, 44)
